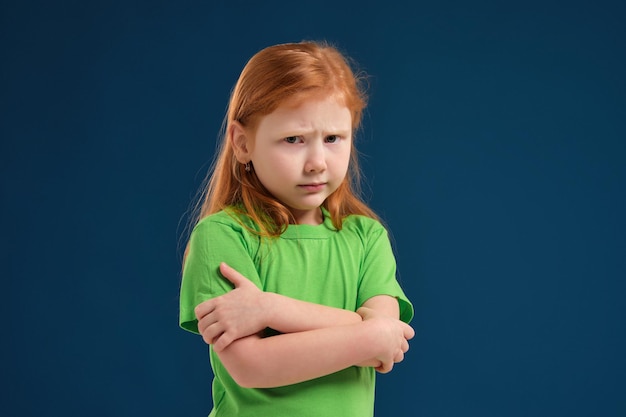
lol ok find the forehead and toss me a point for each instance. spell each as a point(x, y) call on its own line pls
point(300, 115)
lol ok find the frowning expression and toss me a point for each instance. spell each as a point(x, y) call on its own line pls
point(301, 153)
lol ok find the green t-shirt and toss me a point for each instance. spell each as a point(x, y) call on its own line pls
point(318, 264)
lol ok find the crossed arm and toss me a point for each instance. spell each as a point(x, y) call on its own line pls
point(316, 340)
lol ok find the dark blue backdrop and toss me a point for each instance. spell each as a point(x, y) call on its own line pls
point(494, 147)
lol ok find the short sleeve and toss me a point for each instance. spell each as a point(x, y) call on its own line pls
point(378, 275)
point(215, 239)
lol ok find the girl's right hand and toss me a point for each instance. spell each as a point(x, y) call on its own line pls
point(236, 314)
point(391, 334)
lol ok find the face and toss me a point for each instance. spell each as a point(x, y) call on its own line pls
point(301, 153)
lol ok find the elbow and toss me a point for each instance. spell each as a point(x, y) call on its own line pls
point(239, 360)
point(248, 377)
point(239, 369)
point(249, 374)
point(242, 379)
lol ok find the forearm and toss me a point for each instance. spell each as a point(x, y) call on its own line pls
point(291, 358)
point(289, 315)
point(246, 310)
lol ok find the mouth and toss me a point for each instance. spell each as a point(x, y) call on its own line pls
point(312, 187)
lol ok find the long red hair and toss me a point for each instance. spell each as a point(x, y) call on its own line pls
point(270, 78)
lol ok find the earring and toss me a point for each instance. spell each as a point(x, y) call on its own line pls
point(247, 166)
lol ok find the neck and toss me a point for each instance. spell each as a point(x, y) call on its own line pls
point(312, 217)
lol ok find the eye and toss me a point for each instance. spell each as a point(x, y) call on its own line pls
point(332, 138)
point(292, 139)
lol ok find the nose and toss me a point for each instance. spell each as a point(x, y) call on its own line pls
point(315, 158)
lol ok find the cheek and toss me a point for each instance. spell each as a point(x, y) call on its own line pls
point(273, 163)
point(270, 168)
point(343, 160)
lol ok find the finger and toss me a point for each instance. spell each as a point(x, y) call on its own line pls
point(204, 308)
point(205, 322)
point(233, 275)
point(386, 367)
point(211, 333)
point(405, 346)
point(379, 365)
point(222, 342)
point(399, 357)
point(408, 331)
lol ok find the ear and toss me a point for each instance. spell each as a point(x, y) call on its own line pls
point(240, 140)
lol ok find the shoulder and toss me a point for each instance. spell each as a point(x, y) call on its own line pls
point(220, 233)
point(363, 225)
point(363, 228)
point(228, 220)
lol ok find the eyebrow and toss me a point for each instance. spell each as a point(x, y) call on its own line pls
point(307, 132)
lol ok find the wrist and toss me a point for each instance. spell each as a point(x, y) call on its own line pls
point(376, 331)
point(269, 302)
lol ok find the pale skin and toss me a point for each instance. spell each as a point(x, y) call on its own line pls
point(317, 340)
point(300, 152)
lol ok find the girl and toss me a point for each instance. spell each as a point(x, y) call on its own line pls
point(316, 307)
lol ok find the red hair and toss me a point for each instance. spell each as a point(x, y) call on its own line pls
point(270, 78)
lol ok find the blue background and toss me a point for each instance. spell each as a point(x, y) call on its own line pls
point(494, 147)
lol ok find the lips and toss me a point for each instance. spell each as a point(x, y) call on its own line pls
point(313, 187)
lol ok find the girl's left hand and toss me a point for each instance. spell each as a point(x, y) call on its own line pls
point(395, 335)
point(237, 314)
